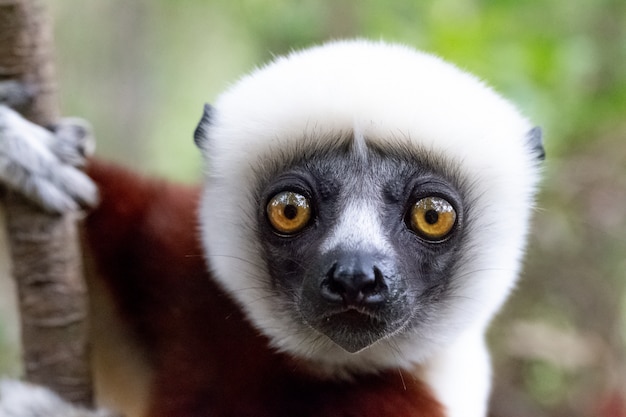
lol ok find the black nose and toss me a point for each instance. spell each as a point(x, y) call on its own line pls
point(354, 280)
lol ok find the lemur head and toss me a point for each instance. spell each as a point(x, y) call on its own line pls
point(365, 203)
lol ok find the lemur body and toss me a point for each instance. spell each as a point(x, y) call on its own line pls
point(363, 216)
point(205, 356)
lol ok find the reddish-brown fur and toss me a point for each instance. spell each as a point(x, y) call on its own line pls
point(208, 360)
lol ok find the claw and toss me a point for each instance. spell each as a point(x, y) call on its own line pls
point(75, 141)
point(15, 94)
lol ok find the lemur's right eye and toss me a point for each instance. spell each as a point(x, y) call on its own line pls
point(288, 212)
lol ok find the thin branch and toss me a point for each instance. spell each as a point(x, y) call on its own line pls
point(44, 248)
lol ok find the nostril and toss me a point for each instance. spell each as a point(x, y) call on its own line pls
point(368, 285)
point(379, 279)
point(332, 288)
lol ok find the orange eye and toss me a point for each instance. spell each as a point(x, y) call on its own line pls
point(288, 212)
point(432, 218)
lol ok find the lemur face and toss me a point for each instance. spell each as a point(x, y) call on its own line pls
point(363, 243)
point(365, 203)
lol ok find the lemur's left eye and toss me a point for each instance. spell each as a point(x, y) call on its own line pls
point(432, 218)
point(288, 212)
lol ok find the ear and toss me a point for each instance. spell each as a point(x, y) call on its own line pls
point(200, 135)
point(535, 142)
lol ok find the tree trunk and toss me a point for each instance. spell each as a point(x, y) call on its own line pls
point(44, 248)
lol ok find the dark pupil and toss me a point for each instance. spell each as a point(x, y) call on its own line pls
point(290, 211)
point(431, 216)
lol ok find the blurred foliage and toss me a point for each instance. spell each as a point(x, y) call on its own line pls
point(141, 70)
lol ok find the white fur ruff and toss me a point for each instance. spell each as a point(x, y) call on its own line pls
point(388, 94)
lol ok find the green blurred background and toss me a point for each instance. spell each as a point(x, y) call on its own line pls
point(140, 71)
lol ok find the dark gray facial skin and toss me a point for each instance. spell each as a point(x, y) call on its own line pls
point(357, 294)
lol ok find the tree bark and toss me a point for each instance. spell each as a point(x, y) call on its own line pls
point(44, 248)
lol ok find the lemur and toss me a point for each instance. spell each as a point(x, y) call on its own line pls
point(363, 215)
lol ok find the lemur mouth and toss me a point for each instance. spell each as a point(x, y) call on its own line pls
point(355, 314)
point(352, 329)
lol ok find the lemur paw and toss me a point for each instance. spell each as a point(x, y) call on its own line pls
point(19, 399)
point(42, 165)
